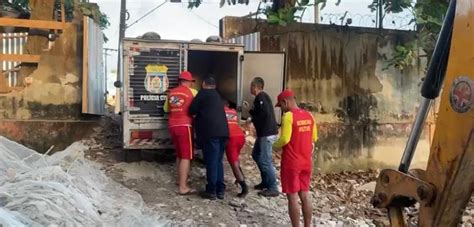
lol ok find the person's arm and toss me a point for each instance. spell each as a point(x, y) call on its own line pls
point(261, 108)
point(194, 91)
point(253, 111)
point(166, 107)
point(194, 107)
point(315, 131)
point(286, 130)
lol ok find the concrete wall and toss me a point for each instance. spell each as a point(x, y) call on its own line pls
point(364, 112)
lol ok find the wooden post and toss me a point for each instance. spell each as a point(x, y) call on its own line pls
point(63, 12)
point(4, 88)
point(85, 65)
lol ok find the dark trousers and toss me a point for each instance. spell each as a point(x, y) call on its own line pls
point(213, 152)
point(262, 154)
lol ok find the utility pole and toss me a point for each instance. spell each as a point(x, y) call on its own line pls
point(106, 50)
point(123, 26)
point(317, 13)
point(119, 83)
point(380, 14)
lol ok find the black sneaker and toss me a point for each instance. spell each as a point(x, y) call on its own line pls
point(269, 193)
point(207, 195)
point(245, 190)
point(259, 187)
point(220, 196)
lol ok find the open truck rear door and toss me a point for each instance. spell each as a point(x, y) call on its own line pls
point(271, 67)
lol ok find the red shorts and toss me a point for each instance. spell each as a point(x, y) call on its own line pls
point(182, 137)
point(295, 180)
point(233, 148)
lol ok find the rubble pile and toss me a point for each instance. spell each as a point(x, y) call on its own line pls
point(468, 216)
point(345, 198)
point(63, 189)
point(467, 219)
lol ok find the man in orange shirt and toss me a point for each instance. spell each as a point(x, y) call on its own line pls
point(298, 134)
point(234, 146)
point(180, 126)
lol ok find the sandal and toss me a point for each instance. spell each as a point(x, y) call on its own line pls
point(190, 192)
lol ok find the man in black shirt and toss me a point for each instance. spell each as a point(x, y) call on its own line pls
point(263, 118)
point(212, 134)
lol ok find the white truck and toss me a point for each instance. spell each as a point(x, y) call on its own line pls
point(151, 67)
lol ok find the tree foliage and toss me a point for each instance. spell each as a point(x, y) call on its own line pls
point(428, 17)
point(391, 6)
point(403, 56)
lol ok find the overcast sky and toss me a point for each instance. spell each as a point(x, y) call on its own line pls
point(176, 21)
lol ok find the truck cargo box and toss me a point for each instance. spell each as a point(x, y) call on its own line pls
point(152, 67)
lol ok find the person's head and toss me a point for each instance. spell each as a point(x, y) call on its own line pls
point(256, 86)
point(209, 83)
point(186, 79)
point(286, 100)
point(224, 101)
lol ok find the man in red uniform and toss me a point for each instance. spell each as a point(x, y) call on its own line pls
point(180, 126)
point(298, 134)
point(234, 146)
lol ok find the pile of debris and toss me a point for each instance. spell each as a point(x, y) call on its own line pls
point(468, 216)
point(63, 189)
point(345, 198)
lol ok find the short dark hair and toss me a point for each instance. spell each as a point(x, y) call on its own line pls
point(210, 80)
point(259, 82)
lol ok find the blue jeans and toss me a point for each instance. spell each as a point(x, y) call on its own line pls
point(213, 152)
point(262, 154)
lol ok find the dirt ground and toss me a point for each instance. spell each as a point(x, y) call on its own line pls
point(153, 176)
point(340, 199)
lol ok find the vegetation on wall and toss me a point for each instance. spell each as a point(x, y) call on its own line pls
point(403, 56)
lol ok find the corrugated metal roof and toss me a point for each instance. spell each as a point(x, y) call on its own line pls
point(251, 41)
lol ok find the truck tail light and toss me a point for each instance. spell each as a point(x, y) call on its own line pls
point(131, 103)
point(141, 135)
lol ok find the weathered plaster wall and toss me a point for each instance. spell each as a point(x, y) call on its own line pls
point(53, 90)
point(46, 109)
point(364, 111)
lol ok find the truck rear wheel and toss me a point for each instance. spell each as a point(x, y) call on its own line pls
point(132, 156)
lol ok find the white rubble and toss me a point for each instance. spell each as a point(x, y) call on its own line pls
point(63, 189)
point(368, 187)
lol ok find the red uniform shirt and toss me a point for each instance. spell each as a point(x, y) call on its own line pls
point(233, 122)
point(179, 100)
point(297, 154)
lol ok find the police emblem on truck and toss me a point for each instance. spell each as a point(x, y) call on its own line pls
point(156, 80)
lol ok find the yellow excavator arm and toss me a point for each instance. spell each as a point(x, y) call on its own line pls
point(445, 187)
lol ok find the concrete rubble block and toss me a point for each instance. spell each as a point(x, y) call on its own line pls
point(367, 187)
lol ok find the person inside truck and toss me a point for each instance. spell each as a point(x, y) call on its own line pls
point(180, 126)
point(212, 134)
point(234, 146)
